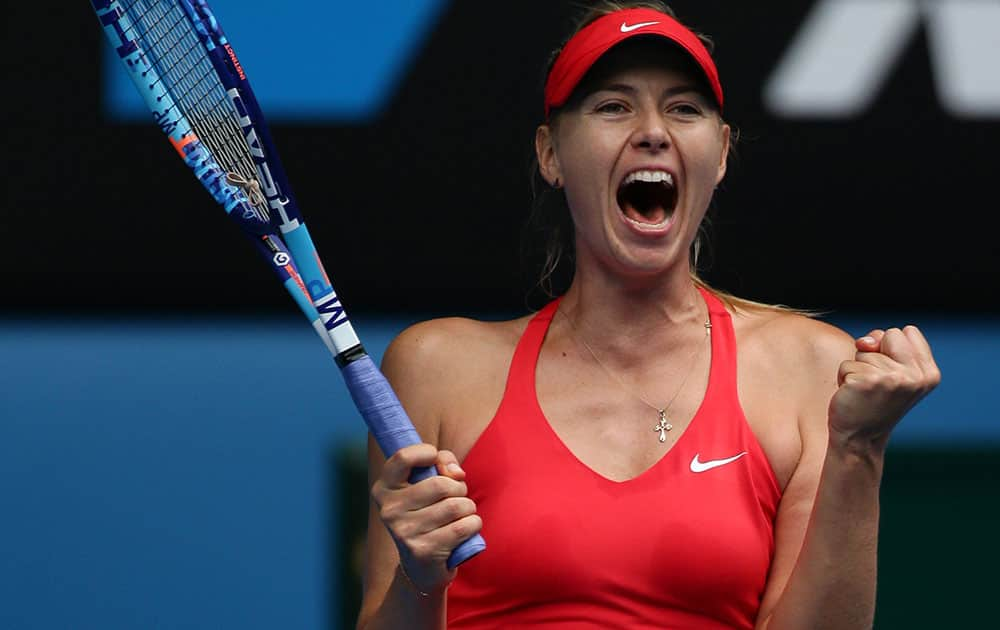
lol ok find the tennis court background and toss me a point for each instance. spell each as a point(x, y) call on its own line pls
point(154, 477)
point(152, 474)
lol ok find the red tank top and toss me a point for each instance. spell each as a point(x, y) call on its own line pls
point(686, 544)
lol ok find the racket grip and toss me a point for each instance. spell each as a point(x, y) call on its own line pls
point(392, 430)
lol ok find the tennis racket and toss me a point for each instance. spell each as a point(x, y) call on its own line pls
point(192, 81)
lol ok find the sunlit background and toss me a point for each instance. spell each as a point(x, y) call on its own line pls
point(177, 449)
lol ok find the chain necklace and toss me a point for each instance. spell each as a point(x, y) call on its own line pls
point(663, 425)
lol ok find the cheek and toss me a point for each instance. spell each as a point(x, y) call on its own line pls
point(584, 152)
point(577, 161)
point(585, 167)
point(703, 161)
point(580, 200)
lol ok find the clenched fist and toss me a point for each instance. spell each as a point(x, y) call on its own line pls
point(891, 371)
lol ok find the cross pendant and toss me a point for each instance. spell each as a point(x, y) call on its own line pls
point(663, 426)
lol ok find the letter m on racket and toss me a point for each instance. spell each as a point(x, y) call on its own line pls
point(330, 311)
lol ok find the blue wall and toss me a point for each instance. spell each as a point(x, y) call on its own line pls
point(341, 64)
point(177, 474)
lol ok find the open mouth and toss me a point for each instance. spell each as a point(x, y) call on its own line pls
point(647, 198)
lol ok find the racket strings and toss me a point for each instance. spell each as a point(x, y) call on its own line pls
point(211, 108)
point(189, 69)
point(176, 53)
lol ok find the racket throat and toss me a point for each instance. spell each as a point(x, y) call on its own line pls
point(350, 355)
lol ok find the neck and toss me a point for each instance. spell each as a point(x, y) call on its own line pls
point(658, 310)
point(643, 332)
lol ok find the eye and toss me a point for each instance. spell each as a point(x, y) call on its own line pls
point(611, 107)
point(685, 109)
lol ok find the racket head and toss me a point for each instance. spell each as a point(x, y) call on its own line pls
point(162, 55)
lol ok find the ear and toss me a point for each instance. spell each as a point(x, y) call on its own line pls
point(545, 151)
point(726, 137)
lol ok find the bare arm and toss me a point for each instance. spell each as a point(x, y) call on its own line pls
point(393, 599)
point(413, 528)
point(823, 575)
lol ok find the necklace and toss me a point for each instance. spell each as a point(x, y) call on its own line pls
point(663, 425)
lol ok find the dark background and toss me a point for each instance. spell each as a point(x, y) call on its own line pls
point(421, 209)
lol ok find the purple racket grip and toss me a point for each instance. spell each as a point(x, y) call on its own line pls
point(392, 430)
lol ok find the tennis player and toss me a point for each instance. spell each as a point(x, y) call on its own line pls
point(644, 451)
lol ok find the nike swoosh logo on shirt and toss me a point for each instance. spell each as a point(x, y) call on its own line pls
point(700, 467)
point(628, 29)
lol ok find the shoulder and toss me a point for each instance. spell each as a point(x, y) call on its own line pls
point(446, 368)
point(796, 346)
point(787, 366)
point(448, 344)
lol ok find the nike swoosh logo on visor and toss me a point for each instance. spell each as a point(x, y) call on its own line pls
point(700, 467)
point(628, 29)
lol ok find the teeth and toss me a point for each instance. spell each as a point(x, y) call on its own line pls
point(649, 226)
point(650, 176)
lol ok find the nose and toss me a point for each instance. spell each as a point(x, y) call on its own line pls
point(651, 134)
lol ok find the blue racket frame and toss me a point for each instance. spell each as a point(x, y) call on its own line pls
point(292, 254)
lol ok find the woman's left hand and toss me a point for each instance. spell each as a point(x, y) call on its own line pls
point(892, 370)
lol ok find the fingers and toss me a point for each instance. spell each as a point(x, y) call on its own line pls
point(924, 356)
point(396, 472)
point(854, 371)
point(433, 529)
point(873, 376)
point(394, 493)
point(434, 502)
point(429, 518)
point(439, 515)
point(917, 339)
point(867, 365)
point(432, 490)
point(425, 555)
point(870, 342)
point(447, 465)
point(906, 346)
point(892, 342)
point(896, 345)
point(440, 541)
point(876, 359)
point(890, 372)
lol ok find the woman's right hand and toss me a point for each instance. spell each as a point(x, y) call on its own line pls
point(428, 519)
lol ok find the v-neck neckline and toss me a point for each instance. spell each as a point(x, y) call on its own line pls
point(713, 379)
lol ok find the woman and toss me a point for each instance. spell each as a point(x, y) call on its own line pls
point(628, 468)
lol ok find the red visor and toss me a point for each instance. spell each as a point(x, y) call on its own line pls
point(587, 46)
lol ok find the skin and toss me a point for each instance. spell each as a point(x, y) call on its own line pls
point(634, 303)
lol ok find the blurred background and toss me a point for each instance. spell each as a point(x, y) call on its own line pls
point(177, 450)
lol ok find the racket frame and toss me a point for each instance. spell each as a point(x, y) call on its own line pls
point(293, 258)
